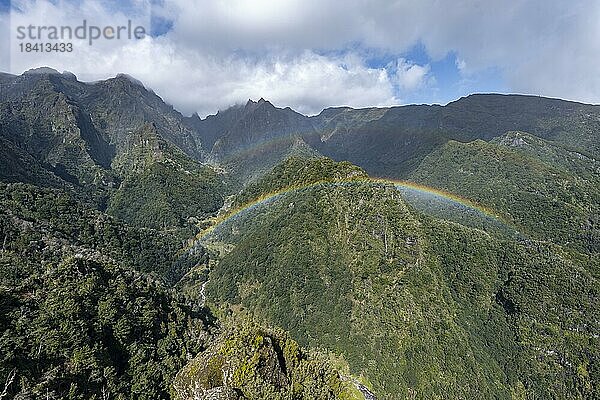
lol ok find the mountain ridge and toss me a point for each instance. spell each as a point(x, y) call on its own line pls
point(122, 217)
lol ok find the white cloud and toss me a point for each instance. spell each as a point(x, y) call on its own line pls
point(87, 60)
point(409, 76)
point(549, 47)
point(461, 65)
point(197, 79)
point(306, 82)
point(312, 53)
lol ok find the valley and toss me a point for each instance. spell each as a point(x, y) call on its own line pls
point(403, 252)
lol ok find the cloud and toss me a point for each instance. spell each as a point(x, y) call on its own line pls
point(311, 54)
point(409, 76)
point(548, 47)
point(307, 82)
point(461, 65)
point(202, 79)
point(4, 42)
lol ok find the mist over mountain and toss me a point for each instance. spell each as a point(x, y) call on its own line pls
point(260, 253)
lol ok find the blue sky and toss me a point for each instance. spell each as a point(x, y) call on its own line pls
point(448, 82)
point(205, 55)
point(4, 5)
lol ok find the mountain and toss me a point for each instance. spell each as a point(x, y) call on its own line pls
point(391, 142)
point(261, 254)
point(548, 191)
point(385, 142)
point(419, 306)
point(487, 116)
point(162, 187)
point(251, 139)
point(98, 123)
point(55, 131)
point(89, 309)
point(246, 126)
point(102, 141)
point(115, 106)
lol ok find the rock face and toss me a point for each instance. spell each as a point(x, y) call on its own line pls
point(249, 362)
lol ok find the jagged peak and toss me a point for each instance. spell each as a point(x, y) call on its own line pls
point(260, 102)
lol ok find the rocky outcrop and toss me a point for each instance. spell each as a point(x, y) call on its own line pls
point(249, 362)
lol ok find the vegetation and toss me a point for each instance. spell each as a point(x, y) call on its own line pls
point(103, 188)
point(162, 197)
point(88, 329)
point(419, 306)
point(298, 172)
point(41, 226)
point(251, 362)
point(548, 192)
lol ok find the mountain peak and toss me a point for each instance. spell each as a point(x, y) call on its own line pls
point(260, 102)
point(129, 79)
point(47, 71)
point(41, 70)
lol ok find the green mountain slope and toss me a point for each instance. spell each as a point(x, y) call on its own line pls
point(42, 226)
point(326, 283)
point(420, 307)
point(391, 142)
point(548, 192)
point(248, 361)
point(248, 140)
point(55, 131)
point(298, 171)
point(163, 188)
point(385, 142)
point(113, 143)
point(257, 122)
point(87, 312)
point(89, 329)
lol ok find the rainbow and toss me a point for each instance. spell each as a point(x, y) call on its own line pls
point(231, 214)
